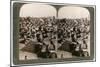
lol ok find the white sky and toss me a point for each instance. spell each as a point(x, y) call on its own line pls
point(37, 10)
point(73, 12)
point(44, 10)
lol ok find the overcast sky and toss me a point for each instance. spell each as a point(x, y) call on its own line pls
point(43, 10)
point(37, 10)
point(73, 12)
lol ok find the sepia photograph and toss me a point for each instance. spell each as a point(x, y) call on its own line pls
point(52, 32)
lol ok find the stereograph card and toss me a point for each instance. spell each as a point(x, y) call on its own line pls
point(48, 33)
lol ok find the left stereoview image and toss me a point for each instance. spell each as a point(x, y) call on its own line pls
point(49, 32)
